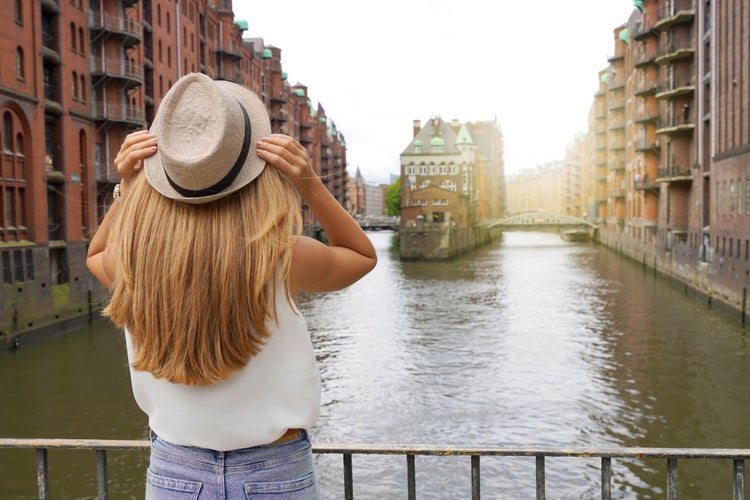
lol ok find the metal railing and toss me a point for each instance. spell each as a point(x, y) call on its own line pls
point(671, 455)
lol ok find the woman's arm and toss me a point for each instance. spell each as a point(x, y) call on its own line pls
point(317, 267)
point(136, 147)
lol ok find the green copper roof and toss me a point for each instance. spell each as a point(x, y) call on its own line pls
point(638, 4)
point(437, 141)
point(267, 54)
point(605, 78)
point(417, 142)
point(464, 136)
point(322, 119)
point(241, 23)
point(284, 75)
point(624, 35)
point(299, 92)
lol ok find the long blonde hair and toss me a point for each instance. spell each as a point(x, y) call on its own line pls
point(195, 284)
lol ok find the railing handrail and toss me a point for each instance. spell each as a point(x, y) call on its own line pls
point(606, 454)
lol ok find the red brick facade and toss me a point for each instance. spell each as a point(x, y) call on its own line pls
point(76, 76)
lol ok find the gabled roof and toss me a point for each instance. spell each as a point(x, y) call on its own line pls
point(434, 131)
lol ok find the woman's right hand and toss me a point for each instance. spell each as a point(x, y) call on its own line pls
point(129, 160)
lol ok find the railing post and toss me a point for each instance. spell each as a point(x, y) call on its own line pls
point(475, 479)
point(348, 480)
point(739, 479)
point(410, 480)
point(42, 481)
point(540, 487)
point(101, 475)
point(671, 479)
point(606, 478)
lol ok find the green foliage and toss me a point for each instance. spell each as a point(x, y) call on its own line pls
point(393, 198)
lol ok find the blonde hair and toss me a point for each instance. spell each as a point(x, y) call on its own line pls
point(196, 284)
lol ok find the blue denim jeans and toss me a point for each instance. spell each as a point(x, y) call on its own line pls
point(272, 472)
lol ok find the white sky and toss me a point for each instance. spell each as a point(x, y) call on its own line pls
point(377, 66)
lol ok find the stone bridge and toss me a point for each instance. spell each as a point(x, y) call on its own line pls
point(541, 221)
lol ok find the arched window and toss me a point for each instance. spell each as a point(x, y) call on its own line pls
point(7, 132)
point(20, 72)
point(13, 182)
point(19, 11)
point(82, 89)
point(74, 81)
point(81, 42)
point(73, 37)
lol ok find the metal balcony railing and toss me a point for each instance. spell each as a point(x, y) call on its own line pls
point(119, 68)
point(118, 113)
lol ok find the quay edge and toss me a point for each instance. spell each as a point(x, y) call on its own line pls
point(441, 243)
point(695, 280)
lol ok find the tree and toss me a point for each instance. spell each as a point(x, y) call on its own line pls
point(393, 198)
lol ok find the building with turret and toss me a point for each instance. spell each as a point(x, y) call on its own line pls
point(449, 182)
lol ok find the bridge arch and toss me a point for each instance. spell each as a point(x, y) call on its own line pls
point(541, 220)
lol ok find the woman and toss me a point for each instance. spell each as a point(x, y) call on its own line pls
point(204, 259)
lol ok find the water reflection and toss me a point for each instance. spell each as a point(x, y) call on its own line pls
point(529, 341)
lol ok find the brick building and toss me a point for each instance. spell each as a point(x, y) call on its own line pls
point(75, 78)
point(452, 172)
point(669, 144)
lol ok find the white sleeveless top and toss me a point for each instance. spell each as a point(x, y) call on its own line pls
point(278, 389)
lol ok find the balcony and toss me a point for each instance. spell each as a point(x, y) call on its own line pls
point(229, 48)
point(674, 13)
point(231, 74)
point(130, 30)
point(644, 183)
point(615, 103)
point(50, 49)
point(117, 68)
point(645, 87)
point(122, 113)
point(671, 52)
point(644, 56)
point(644, 115)
point(52, 100)
point(674, 173)
point(645, 146)
point(676, 91)
point(676, 127)
point(645, 29)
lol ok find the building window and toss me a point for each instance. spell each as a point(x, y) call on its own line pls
point(74, 81)
point(7, 276)
point(82, 89)
point(7, 133)
point(168, 24)
point(160, 58)
point(73, 37)
point(13, 182)
point(81, 43)
point(20, 72)
point(19, 11)
point(422, 170)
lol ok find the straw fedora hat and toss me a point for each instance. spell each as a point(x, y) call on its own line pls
point(206, 132)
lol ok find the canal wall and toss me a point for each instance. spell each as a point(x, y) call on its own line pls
point(683, 268)
point(440, 242)
point(45, 299)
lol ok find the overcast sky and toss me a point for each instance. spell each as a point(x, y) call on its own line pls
point(377, 66)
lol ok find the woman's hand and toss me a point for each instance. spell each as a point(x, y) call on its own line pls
point(349, 254)
point(129, 160)
point(290, 158)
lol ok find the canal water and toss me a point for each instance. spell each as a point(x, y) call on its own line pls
point(529, 341)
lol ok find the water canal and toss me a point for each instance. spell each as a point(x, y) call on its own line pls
point(528, 342)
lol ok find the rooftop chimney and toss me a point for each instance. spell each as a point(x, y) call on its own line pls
point(417, 125)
